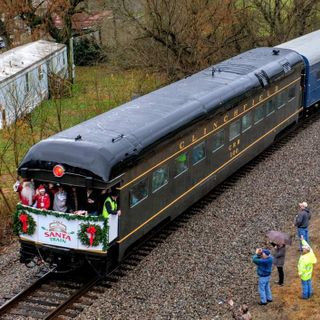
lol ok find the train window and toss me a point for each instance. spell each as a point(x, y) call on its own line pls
point(198, 153)
point(270, 105)
point(246, 121)
point(138, 192)
point(180, 164)
point(234, 129)
point(160, 177)
point(218, 140)
point(259, 114)
point(292, 93)
point(281, 99)
point(318, 75)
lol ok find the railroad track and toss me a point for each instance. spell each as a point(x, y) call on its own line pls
point(47, 297)
point(60, 297)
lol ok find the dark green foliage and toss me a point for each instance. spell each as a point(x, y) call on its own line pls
point(101, 235)
point(87, 52)
point(66, 216)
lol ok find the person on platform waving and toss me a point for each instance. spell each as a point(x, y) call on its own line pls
point(42, 199)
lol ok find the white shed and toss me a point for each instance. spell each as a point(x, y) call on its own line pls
point(24, 75)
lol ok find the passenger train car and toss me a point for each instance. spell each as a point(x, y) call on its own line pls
point(164, 151)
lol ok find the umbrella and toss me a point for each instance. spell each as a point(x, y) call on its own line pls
point(279, 237)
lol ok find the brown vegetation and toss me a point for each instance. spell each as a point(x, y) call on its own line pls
point(181, 37)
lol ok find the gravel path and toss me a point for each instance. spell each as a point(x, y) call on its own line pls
point(13, 275)
point(203, 264)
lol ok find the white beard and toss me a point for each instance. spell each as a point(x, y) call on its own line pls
point(28, 191)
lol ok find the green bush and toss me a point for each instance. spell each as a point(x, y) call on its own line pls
point(87, 52)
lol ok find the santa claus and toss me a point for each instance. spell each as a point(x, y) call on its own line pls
point(42, 198)
point(26, 191)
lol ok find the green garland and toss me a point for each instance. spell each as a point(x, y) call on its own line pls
point(67, 216)
point(17, 224)
point(100, 235)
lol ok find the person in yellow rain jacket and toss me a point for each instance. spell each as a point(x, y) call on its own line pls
point(305, 267)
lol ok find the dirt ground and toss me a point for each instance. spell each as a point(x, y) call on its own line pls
point(287, 303)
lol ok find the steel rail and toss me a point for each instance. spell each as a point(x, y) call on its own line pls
point(18, 297)
point(65, 305)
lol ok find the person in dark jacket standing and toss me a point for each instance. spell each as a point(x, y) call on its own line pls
point(263, 260)
point(302, 222)
point(278, 260)
point(92, 202)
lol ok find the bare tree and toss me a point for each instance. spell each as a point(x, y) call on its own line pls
point(4, 32)
point(270, 22)
point(179, 36)
point(39, 17)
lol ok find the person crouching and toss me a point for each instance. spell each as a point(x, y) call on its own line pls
point(263, 260)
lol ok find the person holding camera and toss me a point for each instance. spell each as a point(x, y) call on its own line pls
point(264, 261)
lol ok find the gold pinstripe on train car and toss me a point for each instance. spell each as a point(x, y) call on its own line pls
point(208, 176)
point(205, 136)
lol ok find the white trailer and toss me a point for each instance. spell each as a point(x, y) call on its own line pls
point(24, 77)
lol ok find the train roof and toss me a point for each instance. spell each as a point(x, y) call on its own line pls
point(307, 45)
point(101, 143)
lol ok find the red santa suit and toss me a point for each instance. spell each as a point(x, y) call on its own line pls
point(42, 198)
point(26, 192)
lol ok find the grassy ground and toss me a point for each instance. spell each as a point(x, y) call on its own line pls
point(96, 90)
point(287, 303)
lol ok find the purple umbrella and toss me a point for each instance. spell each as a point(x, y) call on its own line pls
point(279, 237)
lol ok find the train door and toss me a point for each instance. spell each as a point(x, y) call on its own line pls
point(112, 206)
point(113, 223)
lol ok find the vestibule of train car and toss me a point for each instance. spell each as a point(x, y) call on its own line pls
point(75, 218)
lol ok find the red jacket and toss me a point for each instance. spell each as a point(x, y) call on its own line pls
point(43, 202)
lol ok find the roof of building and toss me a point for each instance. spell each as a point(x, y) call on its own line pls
point(307, 45)
point(17, 59)
point(83, 20)
point(126, 131)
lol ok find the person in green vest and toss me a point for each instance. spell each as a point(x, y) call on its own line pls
point(110, 205)
point(181, 163)
point(305, 268)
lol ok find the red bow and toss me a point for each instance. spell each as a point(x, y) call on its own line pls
point(92, 230)
point(24, 220)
